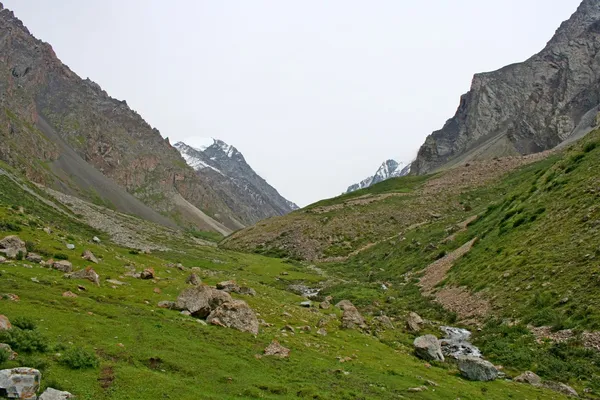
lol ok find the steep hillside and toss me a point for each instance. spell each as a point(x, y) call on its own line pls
point(509, 245)
point(114, 341)
point(67, 133)
point(389, 169)
point(527, 107)
point(225, 169)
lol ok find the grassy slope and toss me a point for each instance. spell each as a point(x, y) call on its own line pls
point(191, 360)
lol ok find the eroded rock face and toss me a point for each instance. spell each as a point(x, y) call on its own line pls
point(12, 245)
point(477, 369)
point(235, 314)
point(428, 348)
point(516, 110)
point(201, 300)
point(20, 383)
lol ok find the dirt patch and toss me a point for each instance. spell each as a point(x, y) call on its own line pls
point(462, 227)
point(470, 308)
point(436, 272)
point(590, 340)
point(107, 377)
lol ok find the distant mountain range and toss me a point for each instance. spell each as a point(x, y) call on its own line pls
point(389, 169)
point(228, 173)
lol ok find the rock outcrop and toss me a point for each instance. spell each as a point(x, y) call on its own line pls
point(201, 300)
point(12, 246)
point(477, 369)
point(389, 169)
point(235, 314)
point(526, 107)
point(20, 383)
point(53, 394)
point(428, 348)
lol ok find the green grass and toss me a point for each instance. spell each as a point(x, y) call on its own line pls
point(114, 343)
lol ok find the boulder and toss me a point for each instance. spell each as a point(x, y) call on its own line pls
point(228, 286)
point(70, 246)
point(351, 319)
point(277, 350)
point(414, 323)
point(306, 304)
point(4, 323)
point(69, 294)
point(148, 273)
point(11, 354)
point(428, 348)
point(89, 256)
point(53, 394)
point(34, 258)
point(343, 304)
point(2, 260)
point(193, 279)
point(561, 388)
point(12, 245)
point(88, 274)
point(96, 239)
point(201, 300)
point(477, 369)
point(63, 266)
point(166, 304)
point(235, 314)
point(528, 377)
point(20, 383)
point(247, 291)
point(324, 305)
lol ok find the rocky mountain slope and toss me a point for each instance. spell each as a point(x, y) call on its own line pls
point(225, 169)
point(67, 133)
point(389, 169)
point(526, 107)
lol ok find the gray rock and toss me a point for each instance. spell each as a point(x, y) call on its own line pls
point(528, 377)
point(414, 323)
point(306, 304)
point(4, 323)
point(20, 383)
point(167, 304)
point(277, 350)
point(88, 274)
point(70, 246)
point(477, 369)
point(324, 305)
point(384, 321)
point(34, 258)
point(201, 300)
point(96, 239)
point(428, 348)
point(235, 314)
point(193, 279)
point(247, 291)
point(63, 266)
point(561, 388)
point(12, 245)
point(89, 256)
point(2, 260)
point(53, 394)
point(456, 343)
point(228, 286)
point(351, 318)
point(343, 304)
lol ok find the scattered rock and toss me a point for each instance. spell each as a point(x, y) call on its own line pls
point(414, 323)
point(384, 321)
point(115, 282)
point(96, 239)
point(324, 305)
point(235, 314)
point(247, 291)
point(34, 258)
point(528, 377)
point(277, 350)
point(69, 294)
point(48, 230)
point(2, 260)
point(53, 394)
point(428, 348)
point(4, 323)
point(303, 290)
point(351, 318)
point(343, 304)
point(11, 354)
point(20, 383)
point(201, 300)
point(322, 332)
point(62, 265)
point(148, 273)
point(89, 256)
point(88, 274)
point(228, 286)
point(166, 304)
point(477, 369)
point(12, 245)
point(417, 389)
point(561, 388)
point(70, 246)
point(9, 297)
point(157, 290)
point(193, 279)
point(306, 304)
point(288, 328)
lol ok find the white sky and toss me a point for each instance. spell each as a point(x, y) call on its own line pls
point(314, 93)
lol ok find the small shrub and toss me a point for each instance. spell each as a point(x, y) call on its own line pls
point(4, 356)
point(10, 226)
point(519, 221)
point(24, 340)
point(590, 147)
point(78, 358)
point(61, 256)
point(30, 246)
point(25, 323)
point(134, 252)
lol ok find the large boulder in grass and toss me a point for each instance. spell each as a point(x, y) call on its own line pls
point(88, 274)
point(12, 245)
point(53, 394)
point(20, 383)
point(201, 300)
point(34, 258)
point(4, 323)
point(351, 318)
point(89, 256)
point(414, 322)
point(477, 369)
point(428, 348)
point(62, 265)
point(235, 314)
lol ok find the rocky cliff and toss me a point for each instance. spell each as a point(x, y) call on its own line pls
point(242, 189)
point(526, 107)
point(66, 132)
point(389, 169)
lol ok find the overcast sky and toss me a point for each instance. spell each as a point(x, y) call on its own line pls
point(314, 93)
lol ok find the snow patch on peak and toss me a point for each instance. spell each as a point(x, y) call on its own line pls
point(388, 169)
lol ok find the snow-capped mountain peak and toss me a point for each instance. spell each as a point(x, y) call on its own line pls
point(389, 169)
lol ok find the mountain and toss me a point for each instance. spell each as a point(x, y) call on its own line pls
point(389, 169)
point(526, 107)
point(67, 133)
point(225, 169)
